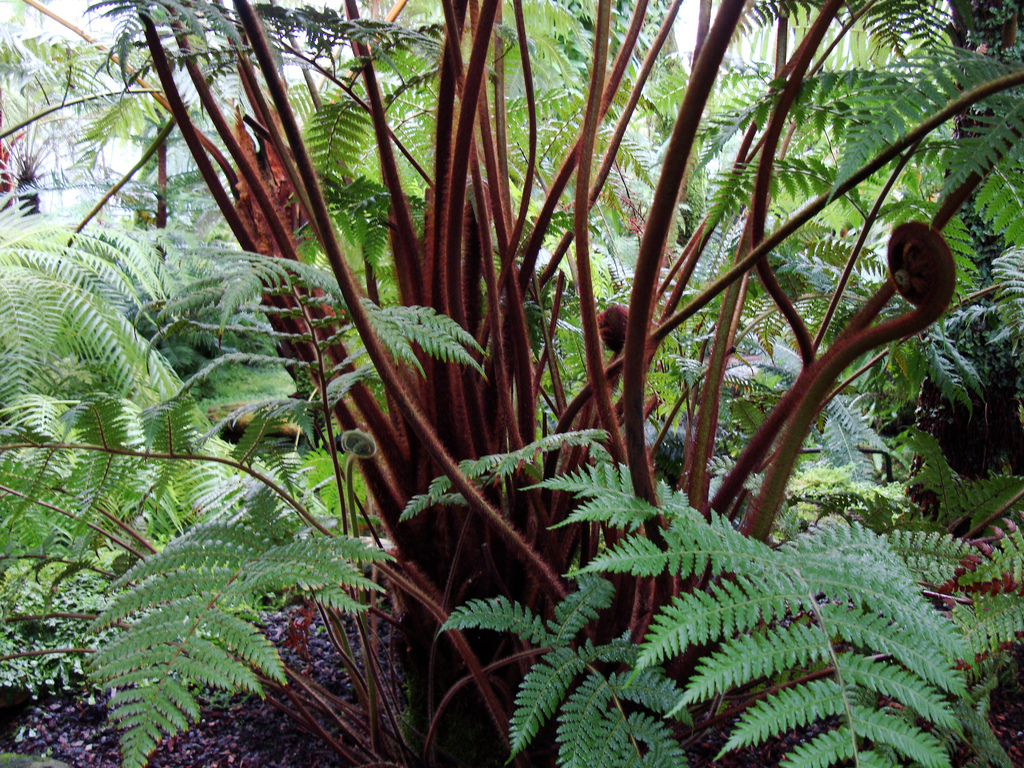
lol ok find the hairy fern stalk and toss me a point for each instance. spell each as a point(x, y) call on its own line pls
point(551, 382)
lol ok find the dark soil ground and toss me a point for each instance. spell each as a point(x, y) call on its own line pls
point(254, 734)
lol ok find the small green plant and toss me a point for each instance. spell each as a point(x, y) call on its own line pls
point(45, 639)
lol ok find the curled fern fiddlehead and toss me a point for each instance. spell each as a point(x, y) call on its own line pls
point(920, 265)
point(358, 443)
point(923, 272)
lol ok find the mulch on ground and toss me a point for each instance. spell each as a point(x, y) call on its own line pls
point(255, 734)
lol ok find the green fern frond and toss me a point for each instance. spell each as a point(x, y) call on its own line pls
point(182, 629)
point(885, 104)
point(639, 556)
point(490, 468)
point(342, 384)
point(995, 623)
point(869, 631)
point(789, 709)
point(580, 608)
point(931, 557)
point(1008, 274)
point(589, 727)
point(907, 739)
point(895, 683)
point(200, 20)
point(325, 29)
point(500, 615)
point(437, 335)
point(951, 371)
point(161, 653)
point(150, 713)
point(361, 209)
point(825, 749)
point(336, 136)
point(542, 691)
point(69, 303)
point(697, 618)
point(608, 491)
point(595, 730)
point(961, 500)
point(749, 657)
point(846, 432)
point(835, 598)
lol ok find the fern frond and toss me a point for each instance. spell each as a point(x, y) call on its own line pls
point(148, 714)
point(1008, 274)
point(594, 729)
point(162, 650)
point(437, 335)
point(336, 137)
point(580, 607)
point(540, 694)
point(182, 629)
point(609, 496)
point(750, 657)
point(500, 615)
point(997, 623)
point(499, 466)
point(701, 617)
point(789, 709)
point(824, 749)
point(907, 739)
point(870, 631)
point(961, 500)
point(639, 556)
point(931, 557)
point(583, 732)
point(846, 432)
point(891, 681)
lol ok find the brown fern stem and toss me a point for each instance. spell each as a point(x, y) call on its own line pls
point(652, 246)
point(393, 382)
